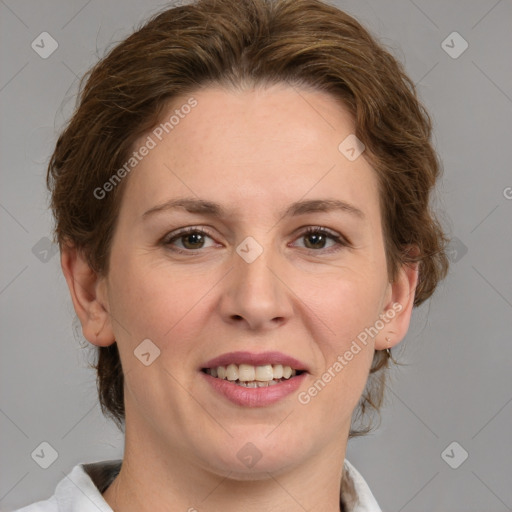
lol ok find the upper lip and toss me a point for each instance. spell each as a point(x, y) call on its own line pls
point(255, 359)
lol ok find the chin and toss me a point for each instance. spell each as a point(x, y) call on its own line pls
point(254, 457)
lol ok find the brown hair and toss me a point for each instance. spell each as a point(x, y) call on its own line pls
point(237, 44)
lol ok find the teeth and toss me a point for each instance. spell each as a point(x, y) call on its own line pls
point(253, 376)
point(232, 372)
point(246, 372)
point(264, 373)
point(278, 371)
point(258, 384)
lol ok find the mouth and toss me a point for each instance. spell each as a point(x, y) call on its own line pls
point(250, 376)
point(250, 379)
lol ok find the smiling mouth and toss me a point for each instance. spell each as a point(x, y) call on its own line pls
point(250, 376)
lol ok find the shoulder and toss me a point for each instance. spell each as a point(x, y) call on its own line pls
point(49, 505)
point(80, 490)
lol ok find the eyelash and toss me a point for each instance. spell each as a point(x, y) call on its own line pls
point(316, 230)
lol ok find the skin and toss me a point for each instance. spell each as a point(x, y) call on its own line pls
point(299, 297)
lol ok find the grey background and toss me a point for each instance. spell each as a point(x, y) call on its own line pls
point(457, 385)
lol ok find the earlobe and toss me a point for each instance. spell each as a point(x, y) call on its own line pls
point(87, 292)
point(399, 307)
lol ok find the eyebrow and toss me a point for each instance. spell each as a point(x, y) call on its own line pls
point(201, 206)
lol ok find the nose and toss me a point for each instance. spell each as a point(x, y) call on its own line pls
point(255, 294)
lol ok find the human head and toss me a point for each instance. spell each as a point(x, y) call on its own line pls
point(243, 44)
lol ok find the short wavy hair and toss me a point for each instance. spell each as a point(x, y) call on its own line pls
point(242, 44)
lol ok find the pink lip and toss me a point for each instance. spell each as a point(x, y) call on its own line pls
point(254, 397)
point(255, 359)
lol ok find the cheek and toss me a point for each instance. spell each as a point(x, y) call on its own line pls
point(348, 308)
point(345, 352)
point(151, 301)
point(345, 302)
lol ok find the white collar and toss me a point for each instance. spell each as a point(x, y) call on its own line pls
point(365, 501)
point(80, 490)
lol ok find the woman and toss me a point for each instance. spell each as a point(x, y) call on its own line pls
point(242, 206)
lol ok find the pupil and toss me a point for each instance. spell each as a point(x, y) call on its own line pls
point(194, 236)
point(317, 237)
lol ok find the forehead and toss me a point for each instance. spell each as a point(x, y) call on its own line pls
point(270, 145)
point(256, 124)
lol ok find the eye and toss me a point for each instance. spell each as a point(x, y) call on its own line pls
point(190, 238)
point(316, 238)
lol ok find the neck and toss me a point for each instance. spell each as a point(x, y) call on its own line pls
point(152, 481)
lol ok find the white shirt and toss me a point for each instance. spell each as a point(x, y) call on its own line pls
point(80, 490)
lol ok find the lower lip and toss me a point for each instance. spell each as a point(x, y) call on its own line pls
point(254, 397)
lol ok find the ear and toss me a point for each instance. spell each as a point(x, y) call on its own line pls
point(398, 307)
point(88, 293)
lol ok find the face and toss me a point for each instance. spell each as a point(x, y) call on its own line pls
point(248, 278)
